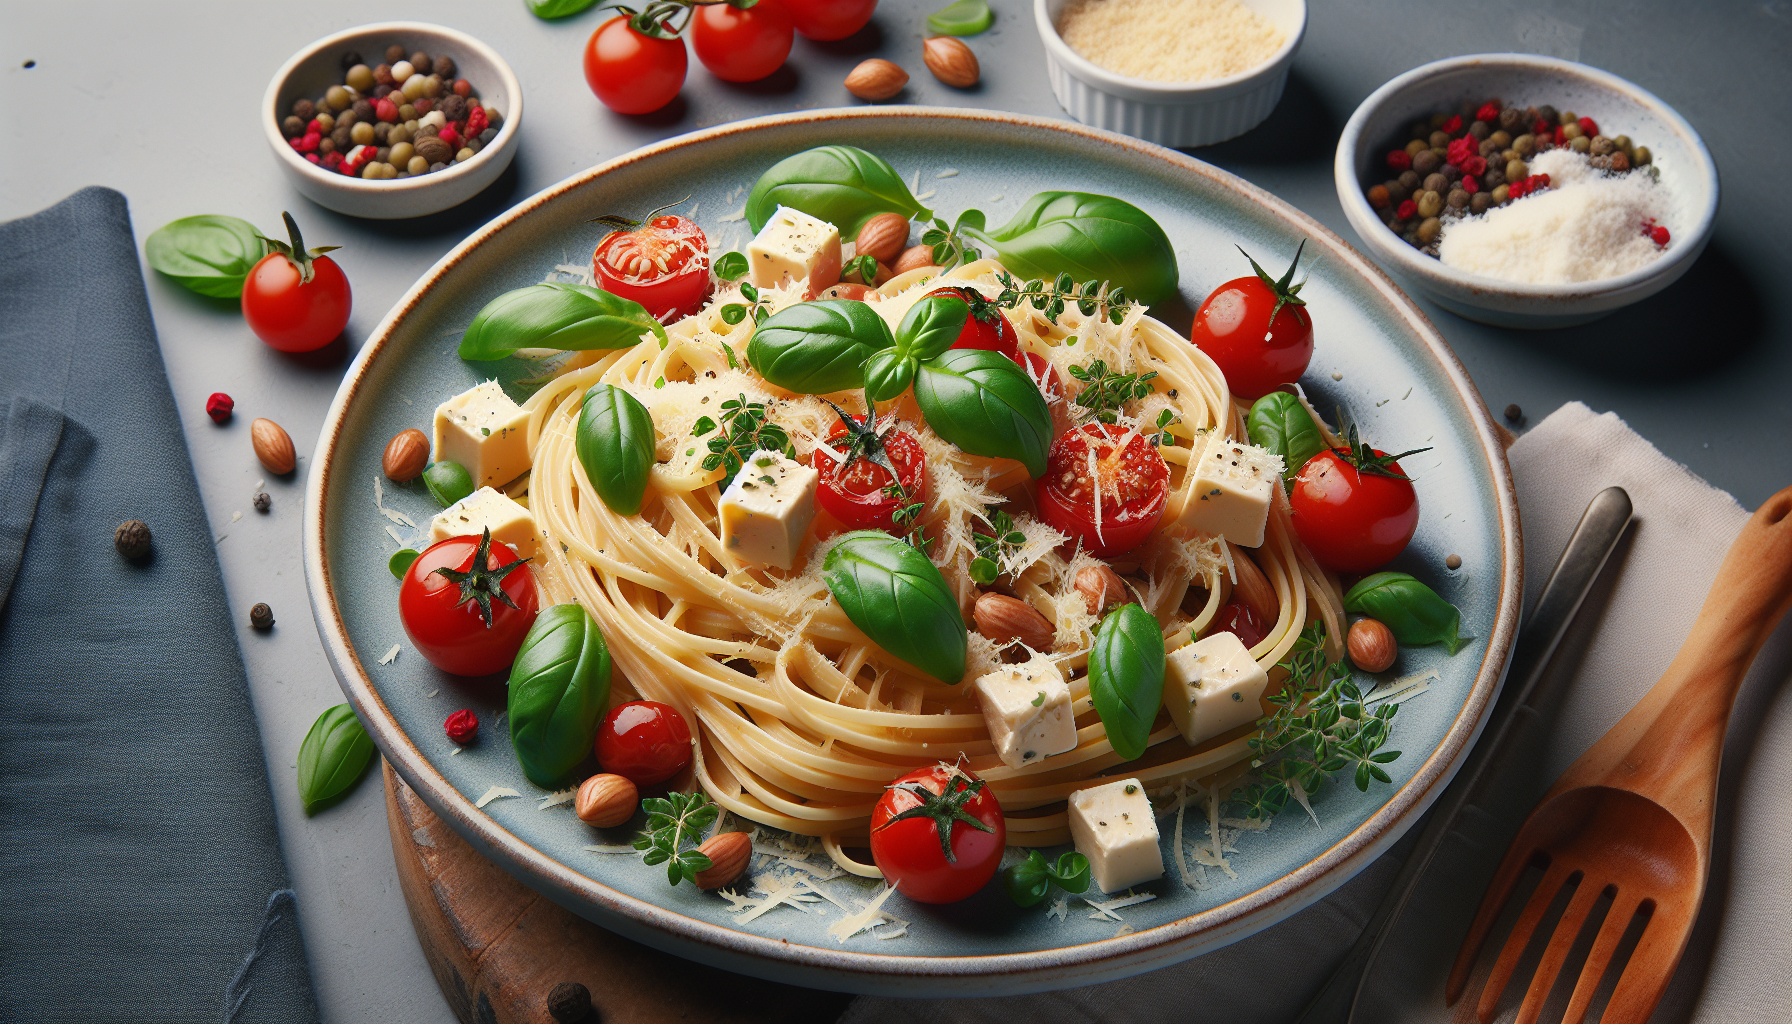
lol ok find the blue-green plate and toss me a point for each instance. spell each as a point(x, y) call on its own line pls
point(1377, 355)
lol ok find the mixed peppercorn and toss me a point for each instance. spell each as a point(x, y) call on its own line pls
point(405, 117)
point(1466, 163)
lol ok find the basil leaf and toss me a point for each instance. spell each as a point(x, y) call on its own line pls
point(888, 374)
point(1412, 610)
point(209, 254)
point(816, 348)
point(1027, 882)
point(448, 482)
point(731, 266)
point(1126, 677)
point(332, 758)
point(559, 692)
point(571, 317)
point(616, 446)
point(1093, 238)
point(1281, 424)
point(984, 403)
point(843, 185)
point(932, 326)
point(898, 598)
point(549, 10)
point(964, 18)
point(400, 562)
point(1071, 872)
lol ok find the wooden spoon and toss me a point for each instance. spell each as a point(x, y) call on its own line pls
point(1632, 817)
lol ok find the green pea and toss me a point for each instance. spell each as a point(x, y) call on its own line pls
point(401, 561)
point(448, 482)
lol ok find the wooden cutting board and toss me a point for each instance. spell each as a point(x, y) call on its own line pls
point(498, 947)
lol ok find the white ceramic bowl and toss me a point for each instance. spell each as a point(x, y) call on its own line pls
point(1620, 107)
point(318, 66)
point(1171, 113)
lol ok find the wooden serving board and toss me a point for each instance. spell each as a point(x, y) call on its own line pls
point(498, 947)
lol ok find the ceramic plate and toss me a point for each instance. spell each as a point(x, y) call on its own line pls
point(1377, 356)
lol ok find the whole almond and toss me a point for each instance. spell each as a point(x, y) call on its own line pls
point(914, 258)
point(875, 80)
point(406, 455)
point(1101, 587)
point(605, 801)
point(728, 854)
point(883, 237)
point(1253, 589)
point(1005, 619)
point(272, 446)
point(1371, 645)
point(951, 61)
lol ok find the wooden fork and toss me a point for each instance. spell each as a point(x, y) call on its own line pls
point(1632, 817)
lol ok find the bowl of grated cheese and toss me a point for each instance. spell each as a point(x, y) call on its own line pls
point(1176, 72)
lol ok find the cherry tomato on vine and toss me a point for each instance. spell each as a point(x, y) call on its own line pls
point(1132, 482)
point(1241, 622)
point(855, 491)
point(1354, 508)
point(986, 327)
point(453, 617)
point(1258, 330)
point(633, 73)
point(643, 741)
point(937, 834)
point(663, 265)
point(742, 45)
point(827, 20)
point(296, 299)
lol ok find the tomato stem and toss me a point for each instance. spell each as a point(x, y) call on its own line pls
point(481, 583)
point(1287, 293)
point(943, 808)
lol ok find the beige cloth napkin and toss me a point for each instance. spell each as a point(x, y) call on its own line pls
point(1739, 965)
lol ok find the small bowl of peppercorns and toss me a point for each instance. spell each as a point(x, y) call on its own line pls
point(393, 120)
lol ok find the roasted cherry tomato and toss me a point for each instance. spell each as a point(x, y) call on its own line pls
point(1241, 622)
point(937, 834)
point(1258, 330)
point(449, 614)
point(986, 327)
point(827, 20)
point(1131, 480)
point(663, 265)
point(1354, 508)
point(296, 299)
point(633, 73)
point(643, 741)
point(742, 45)
point(856, 491)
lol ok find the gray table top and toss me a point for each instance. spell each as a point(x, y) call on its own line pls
point(161, 104)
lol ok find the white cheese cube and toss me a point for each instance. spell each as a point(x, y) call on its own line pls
point(1027, 709)
point(1114, 827)
point(1213, 686)
point(794, 246)
point(483, 430)
point(1230, 499)
point(767, 508)
point(510, 522)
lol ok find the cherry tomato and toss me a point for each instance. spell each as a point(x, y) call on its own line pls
point(854, 494)
point(1241, 622)
point(1134, 486)
point(742, 45)
point(450, 629)
point(1258, 330)
point(827, 20)
point(907, 846)
point(663, 265)
point(986, 327)
point(295, 299)
point(633, 73)
point(644, 741)
point(1353, 520)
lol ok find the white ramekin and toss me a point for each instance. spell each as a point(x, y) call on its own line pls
point(1171, 113)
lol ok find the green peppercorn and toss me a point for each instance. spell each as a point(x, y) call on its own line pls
point(1440, 140)
point(1624, 144)
point(1502, 195)
point(1431, 203)
point(360, 78)
point(398, 133)
point(1572, 130)
point(1566, 118)
point(1501, 139)
point(361, 133)
point(463, 155)
point(1580, 144)
point(417, 165)
point(338, 98)
point(402, 153)
point(1516, 170)
point(1602, 146)
point(413, 87)
point(1480, 202)
point(1415, 147)
point(1429, 229)
point(432, 87)
point(1641, 157)
point(1525, 144)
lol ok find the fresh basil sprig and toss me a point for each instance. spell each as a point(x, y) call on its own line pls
point(332, 757)
point(1092, 238)
point(898, 598)
point(816, 348)
point(1029, 881)
point(843, 185)
point(984, 403)
point(1126, 677)
point(671, 822)
point(210, 254)
point(1281, 424)
point(930, 328)
point(615, 444)
point(571, 317)
point(559, 692)
point(1413, 611)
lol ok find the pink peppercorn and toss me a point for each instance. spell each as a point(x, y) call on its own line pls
point(1453, 125)
point(333, 160)
point(1470, 185)
point(219, 407)
point(385, 110)
point(423, 105)
point(1398, 159)
point(1475, 165)
point(476, 121)
point(1588, 125)
point(1659, 235)
point(1560, 138)
point(1489, 112)
point(450, 136)
point(1407, 210)
point(313, 158)
point(1542, 127)
point(462, 87)
point(461, 726)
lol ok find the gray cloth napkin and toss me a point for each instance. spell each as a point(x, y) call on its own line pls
point(140, 868)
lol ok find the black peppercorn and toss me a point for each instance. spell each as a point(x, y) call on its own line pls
point(304, 110)
point(453, 107)
point(1514, 413)
point(132, 538)
point(394, 53)
point(421, 62)
point(569, 1002)
point(363, 109)
point(261, 617)
point(350, 59)
point(486, 137)
point(340, 136)
point(263, 502)
point(1512, 119)
point(1425, 162)
point(382, 91)
point(292, 127)
point(1480, 130)
point(1410, 179)
point(1548, 113)
point(444, 66)
point(382, 133)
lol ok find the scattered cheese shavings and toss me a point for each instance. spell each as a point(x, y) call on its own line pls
point(397, 538)
point(917, 185)
point(929, 194)
point(391, 655)
point(735, 217)
point(998, 197)
point(379, 502)
point(495, 793)
point(259, 484)
point(1060, 909)
point(433, 692)
point(870, 917)
point(824, 894)
point(236, 516)
point(779, 893)
point(1105, 908)
point(613, 849)
point(564, 796)
point(1403, 689)
point(1300, 796)
point(899, 930)
point(950, 172)
point(455, 751)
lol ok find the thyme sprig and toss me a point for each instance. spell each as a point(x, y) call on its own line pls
point(734, 312)
point(948, 241)
point(671, 822)
point(1050, 298)
point(991, 547)
point(745, 430)
point(1105, 391)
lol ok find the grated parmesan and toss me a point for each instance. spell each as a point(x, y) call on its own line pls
point(1169, 40)
point(1104, 909)
point(869, 917)
point(495, 793)
point(391, 655)
point(564, 796)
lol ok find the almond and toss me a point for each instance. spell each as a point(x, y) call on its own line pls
point(1005, 619)
point(1371, 645)
point(914, 258)
point(605, 801)
point(272, 446)
point(1101, 587)
point(875, 80)
point(728, 854)
point(1253, 589)
point(406, 455)
point(951, 61)
point(883, 237)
